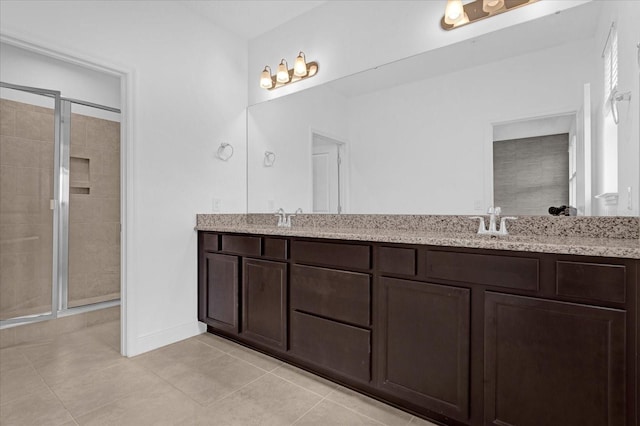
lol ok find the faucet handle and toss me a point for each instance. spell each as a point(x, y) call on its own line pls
point(503, 224)
point(481, 228)
point(497, 210)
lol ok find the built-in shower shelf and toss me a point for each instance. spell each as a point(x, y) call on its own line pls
point(83, 190)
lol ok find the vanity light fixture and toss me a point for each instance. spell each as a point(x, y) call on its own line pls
point(301, 70)
point(456, 14)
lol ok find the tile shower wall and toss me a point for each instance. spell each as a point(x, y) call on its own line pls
point(26, 221)
point(94, 211)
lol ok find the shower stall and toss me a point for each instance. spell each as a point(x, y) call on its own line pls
point(59, 205)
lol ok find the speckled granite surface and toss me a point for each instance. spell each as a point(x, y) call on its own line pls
point(589, 236)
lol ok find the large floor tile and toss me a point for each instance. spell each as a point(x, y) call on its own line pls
point(305, 379)
point(267, 401)
point(213, 380)
point(258, 359)
point(218, 342)
point(369, 407)
point(88, 392)
point(161, 405)
point(85, 359)
point(330, 413)
point(19, 382)
point(12, 358)
point(189, 353)
point(41, 407)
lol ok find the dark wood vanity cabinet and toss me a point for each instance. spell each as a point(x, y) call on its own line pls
point(456, 335)
point(221, 277)
point(553, 363)
point(424, 336)
point(264, 302)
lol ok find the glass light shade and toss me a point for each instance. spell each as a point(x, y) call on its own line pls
point(464, 20)
point(283, 73)
point(265, 79)
point(454, 12)
point(300, 66)
point(490, 6)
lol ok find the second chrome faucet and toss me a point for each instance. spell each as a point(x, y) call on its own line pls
point(494, 213)
point(284, 219)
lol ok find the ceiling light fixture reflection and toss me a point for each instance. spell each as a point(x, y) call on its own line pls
point(457, 14)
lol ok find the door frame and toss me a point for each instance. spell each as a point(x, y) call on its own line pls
point(127, 244)
point(344, 172)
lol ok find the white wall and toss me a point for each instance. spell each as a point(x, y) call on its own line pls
point(283, 126)
point(422, 147)
point(350, 36)
point(26, 68)
point(626, 15)
point(188, 94)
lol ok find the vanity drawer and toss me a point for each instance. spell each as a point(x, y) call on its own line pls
point(240, 244)
point(396, 260)
point(592, 281)
point(499, 271)
point(210, 242)
point(339, 347)
point(275, 247)
point(340, 295)
point(357, 256)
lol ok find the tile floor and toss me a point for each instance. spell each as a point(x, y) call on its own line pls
point(79, 378)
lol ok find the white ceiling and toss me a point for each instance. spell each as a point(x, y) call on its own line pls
point(249, 18)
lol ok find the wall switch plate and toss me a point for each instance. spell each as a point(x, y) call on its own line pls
point(477, 205)
point(217, 205)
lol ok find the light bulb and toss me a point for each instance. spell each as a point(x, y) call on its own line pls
point(283, 73)
point(454, 12)
point(490, 6)
point(265, 78)
point(300, 66)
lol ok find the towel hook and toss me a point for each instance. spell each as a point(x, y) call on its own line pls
point(269, 158)
point(225, 151)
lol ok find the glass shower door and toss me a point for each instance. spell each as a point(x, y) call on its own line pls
point(29, 144)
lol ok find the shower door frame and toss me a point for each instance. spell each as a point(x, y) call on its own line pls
point(60, 207)
point(26, 319)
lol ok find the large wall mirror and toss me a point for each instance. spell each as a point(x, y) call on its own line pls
point(517, 117)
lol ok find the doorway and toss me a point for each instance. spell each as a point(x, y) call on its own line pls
point(327, 165)
point(59, 205)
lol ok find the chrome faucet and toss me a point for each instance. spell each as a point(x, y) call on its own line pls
point(281, 215)
point(284, 219)
point(494, 213)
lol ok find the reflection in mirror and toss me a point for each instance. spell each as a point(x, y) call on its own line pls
point(417, 135)
point(531, 166)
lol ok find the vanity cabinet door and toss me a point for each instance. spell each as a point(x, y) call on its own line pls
point(264, 302)
point(553, 363)
point(424, 345)
point(221, 286)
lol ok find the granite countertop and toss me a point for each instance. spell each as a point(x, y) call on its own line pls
point(606, 247)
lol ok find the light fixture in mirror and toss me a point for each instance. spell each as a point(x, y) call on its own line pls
point(492, 6)
point(283, 72)
point(300, 66)
point(301, 70)
point(456, 14)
